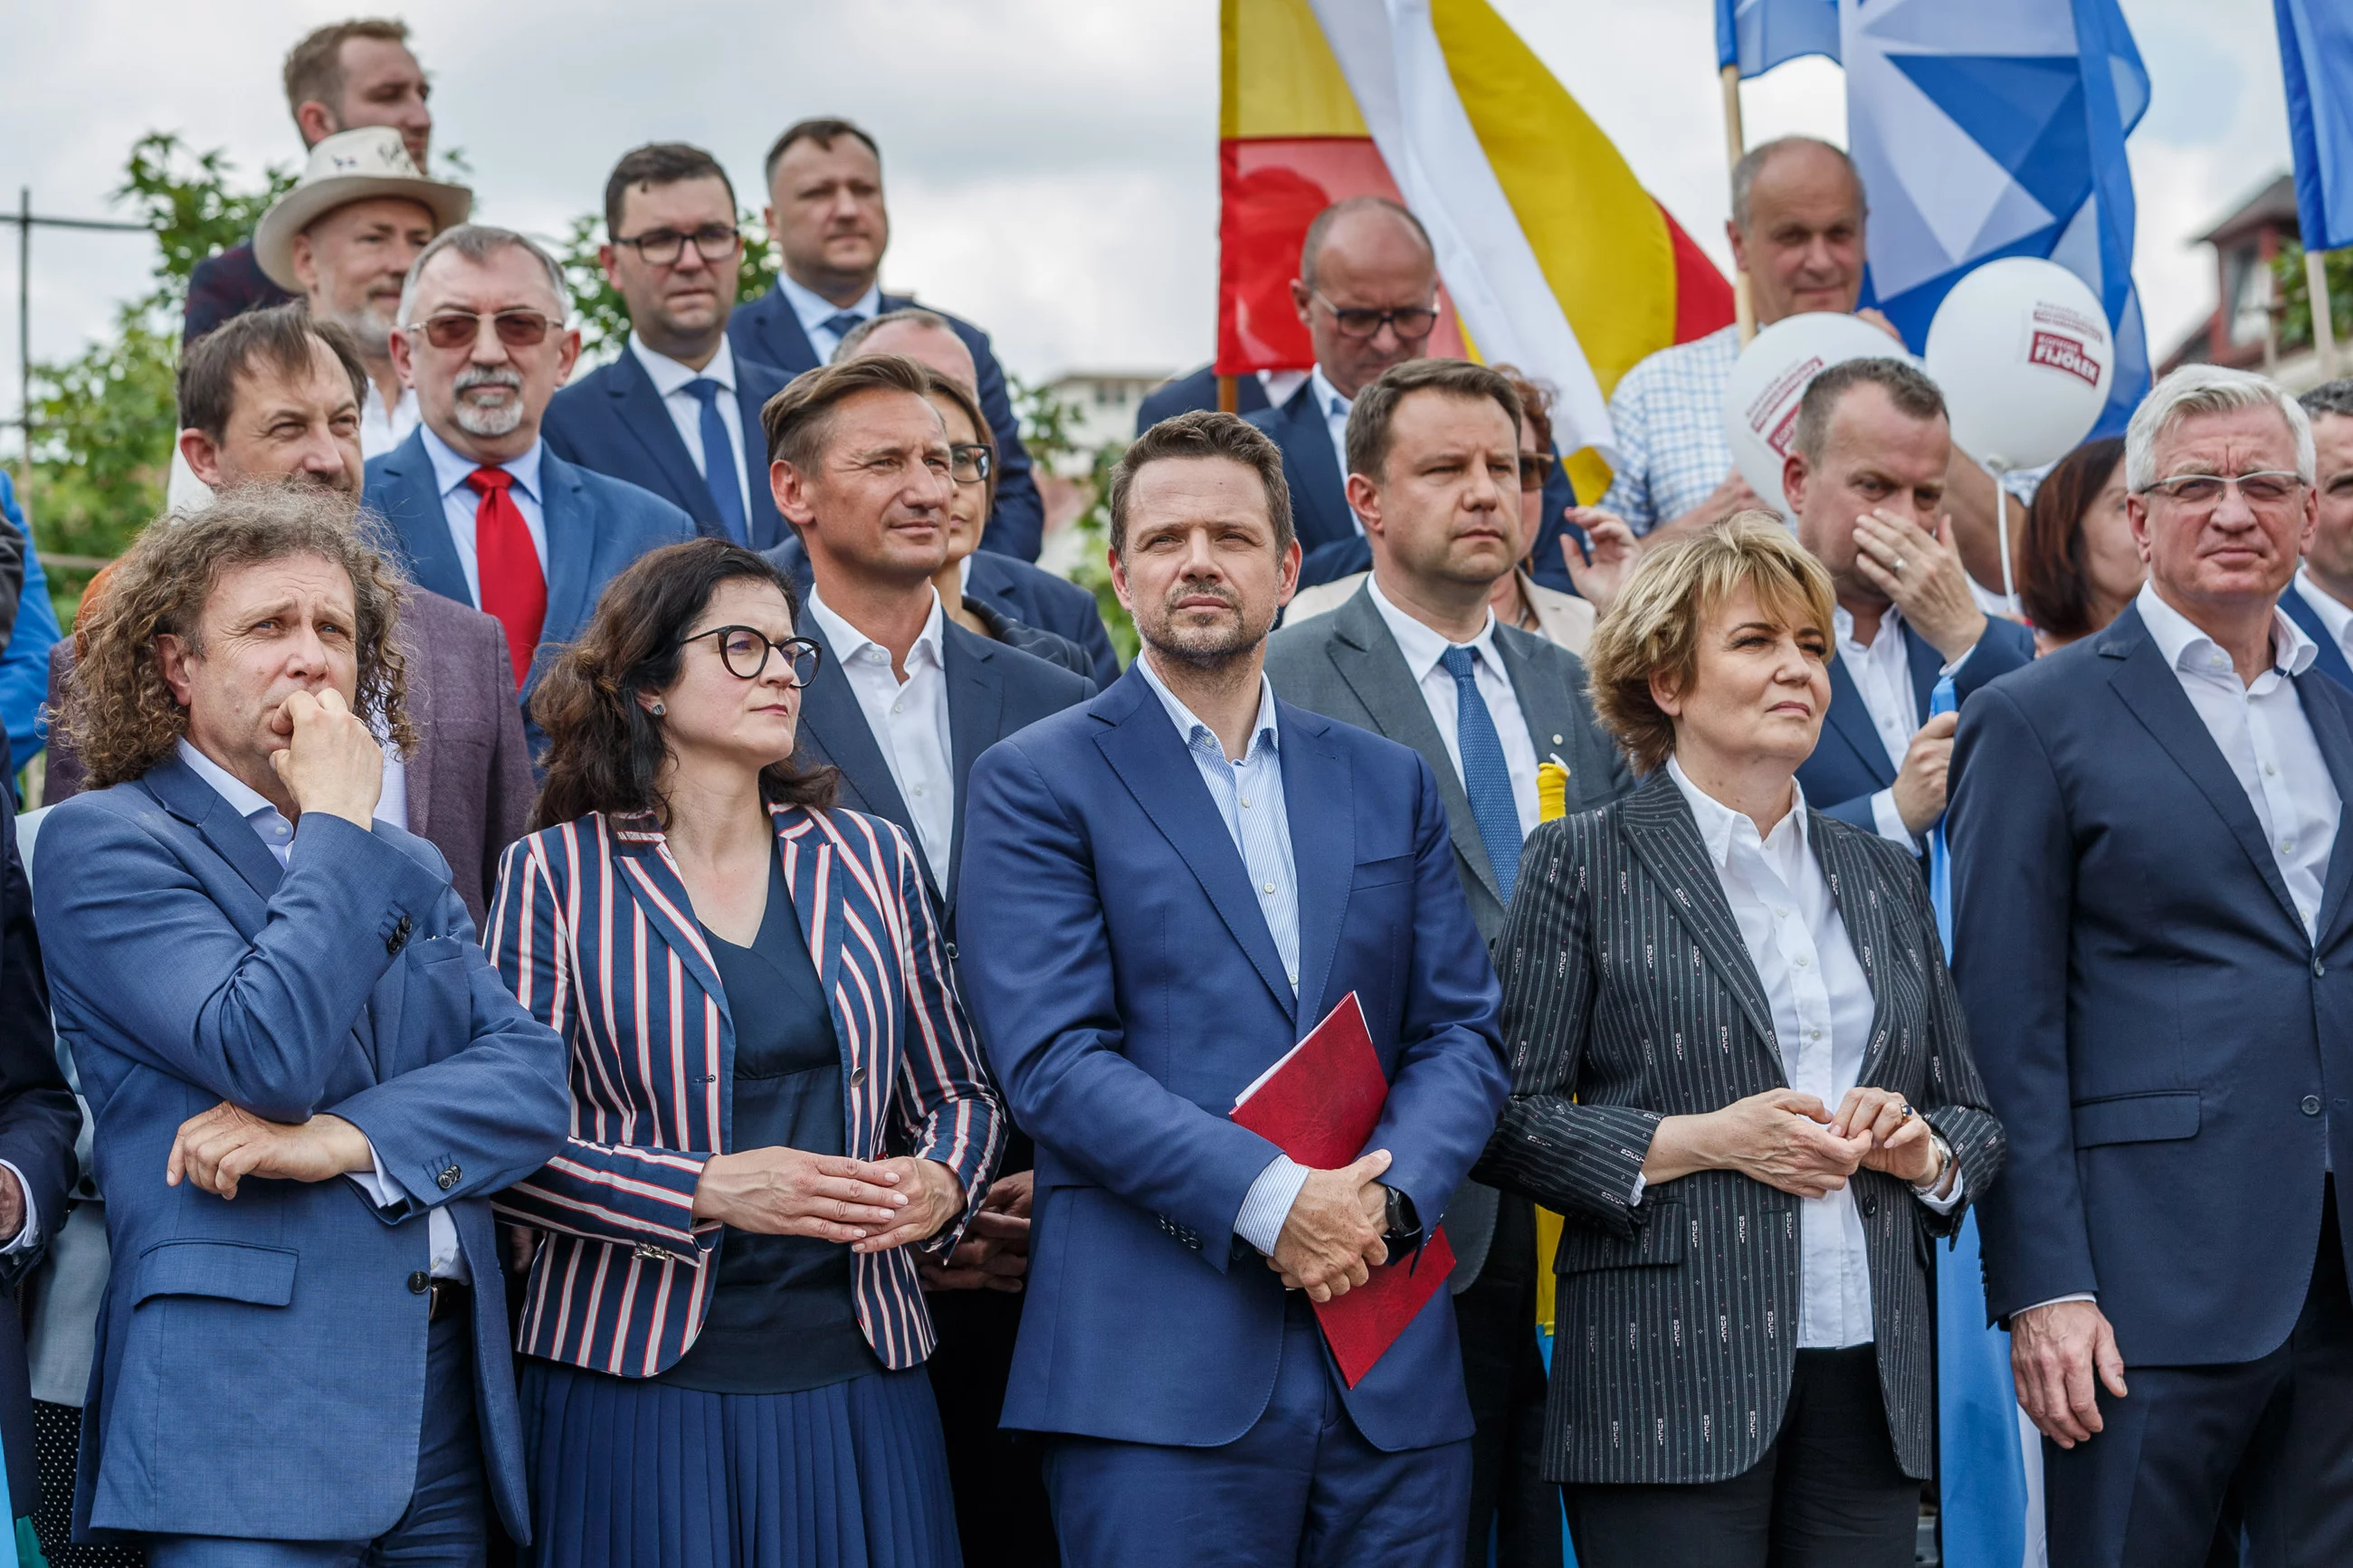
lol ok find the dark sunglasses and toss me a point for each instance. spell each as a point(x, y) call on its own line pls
point(459, 328)
point(1535, 468)
point(745, 651)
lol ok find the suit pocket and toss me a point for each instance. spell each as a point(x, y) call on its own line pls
point(1659, 1240)
point(1382, 872)
point(2136, 1119)
point(229, 1270)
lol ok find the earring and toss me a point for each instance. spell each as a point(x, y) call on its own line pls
point(659, 710)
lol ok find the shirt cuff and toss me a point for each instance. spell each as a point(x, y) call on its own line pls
point(29, 1233)
point(1641, 1185)
point(1267, 1203)
point(1890, 821)
point(1950, 1201)
point(380, 1188)
point(2078, 1296)
point(1954, 668)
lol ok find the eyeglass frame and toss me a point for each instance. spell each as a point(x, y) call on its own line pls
point(2231, 483)
point(1539, 463)
point(657, 235)
point(768, 649)
point(984, 461)
point(1387, 318)
point(547, 324)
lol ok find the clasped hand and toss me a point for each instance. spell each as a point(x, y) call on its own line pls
point(873, 1205)
point(222, 1146)
point(1791, 1140)
point(1331, 1240)
point(330, 765)
point(994, 1252)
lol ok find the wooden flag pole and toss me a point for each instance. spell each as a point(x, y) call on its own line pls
point(1229, 395)
point(1736, 145)
point(2324, 328)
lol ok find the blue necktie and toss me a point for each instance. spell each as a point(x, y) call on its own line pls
point(841, 323)
point(719, 460)
point(1485, 779)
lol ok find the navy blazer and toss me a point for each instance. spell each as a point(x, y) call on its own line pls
point(188, 968)
point(1197, 389)
point(993, 690)
point(2161, 1040)
point(613, 421)
point(1140, 991)
point(1850, 763)
point(1320, 513)
point(596, 527)
point(2331, 661)
point(769, 331)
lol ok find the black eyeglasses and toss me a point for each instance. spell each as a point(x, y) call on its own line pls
point(1412, 323)
point(744, 651)
point(1535, 468)
point(970, 463)
point(663, 247)
point(460, 329)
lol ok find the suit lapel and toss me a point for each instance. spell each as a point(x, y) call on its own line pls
point(1923, 664)
point(790, 350)
point(1308, 443)
point(975, 688)
point(646, 869)
point(1660, 825)
point(831, 716)
point(1553, 718)
point(645, 418)
point(2331, 662)
point(571, 547)
point(1850, 718)
point(413, 505)
point(813, 871)
point(1144, 750)
point(176, 785)
point(1322, 846)
point(2327, 715)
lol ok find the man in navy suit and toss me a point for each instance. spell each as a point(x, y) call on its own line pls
point(1202, 872)
point(831, 228)
point(1367, 292)
point(1197, 389)
point(678, 391)
point(1866, 477)
point(2320, 599)
point(480, 509)
point(2153, 942)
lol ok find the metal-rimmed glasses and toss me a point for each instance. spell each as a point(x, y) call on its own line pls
point(663, 247)
point(970, 463)
point(2264, 488)
point(517, 329)
point(744, 651)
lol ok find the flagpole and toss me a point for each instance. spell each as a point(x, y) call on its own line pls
point(2324, 329)
point(1736, 145)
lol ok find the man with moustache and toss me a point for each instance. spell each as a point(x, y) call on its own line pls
point(1196, 873)
point(2320, 599)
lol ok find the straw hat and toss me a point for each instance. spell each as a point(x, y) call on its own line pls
point(350, 166)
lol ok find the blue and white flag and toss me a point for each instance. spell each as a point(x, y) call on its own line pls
point(2315, 41)
point(1758, 34)
point(1992, 129)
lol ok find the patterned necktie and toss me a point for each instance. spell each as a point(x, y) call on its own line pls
point(719, 460)
point(513, 588)
point(1485, 779)
point(841, 323)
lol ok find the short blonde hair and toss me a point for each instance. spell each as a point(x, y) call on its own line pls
point(1655, 626)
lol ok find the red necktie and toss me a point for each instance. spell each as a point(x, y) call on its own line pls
point(513, 588)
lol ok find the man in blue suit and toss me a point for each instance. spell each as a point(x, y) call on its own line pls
point(2320, 600)
point(2153, 941)
point(827, 217)
point(1201, 874)
point(480, 511)
point(678, 391)
point(1866, 477)
point(305, 1078)
point(1197, 389)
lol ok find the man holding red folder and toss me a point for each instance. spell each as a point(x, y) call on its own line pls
point(1189, 877)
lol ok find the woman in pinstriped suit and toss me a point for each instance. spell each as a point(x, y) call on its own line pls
point(777, 1104)
point(1741, 1073)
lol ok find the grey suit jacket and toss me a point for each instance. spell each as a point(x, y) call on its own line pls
point(1628, 996)
point(1344, 664)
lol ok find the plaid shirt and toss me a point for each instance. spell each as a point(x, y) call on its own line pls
point(1668, 412)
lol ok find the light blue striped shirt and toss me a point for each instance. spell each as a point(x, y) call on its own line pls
point(1249, 797)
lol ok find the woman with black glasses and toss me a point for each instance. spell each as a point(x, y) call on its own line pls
point(778, 1105)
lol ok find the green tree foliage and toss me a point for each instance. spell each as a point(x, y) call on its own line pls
point(2293, 286)
point(598, 309)
point(1048, 423)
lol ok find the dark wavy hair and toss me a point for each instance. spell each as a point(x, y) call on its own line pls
point(2054, 581)
point(605, 750)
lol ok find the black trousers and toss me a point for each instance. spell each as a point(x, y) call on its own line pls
point(1827, 1494)
point(2274, 1434)
point(1505, 1373)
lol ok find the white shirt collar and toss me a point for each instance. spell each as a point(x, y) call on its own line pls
point(2186, 648)
point(2334, 612)
point(1422, 646)
point(242, 797)
point(669, 376)
point(1722, 828)
point(814, 309)
point(1264, 728)
point(451, 467)
point(1327, 393)
point(1891, 623)
point(848, 642)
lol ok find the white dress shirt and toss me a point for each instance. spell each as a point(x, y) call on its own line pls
point(813, 309)
point(382, 428)
point(1821, 1021)
point(460, 501)
point(1422, 649)
point(909, 720)
point(1249, 796)
point(444, 1260)
point(1334, 409)
point(1881, 672)
point(670, 378)
point(2334, 612)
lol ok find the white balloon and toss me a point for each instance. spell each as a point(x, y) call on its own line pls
point(2022, 353)
point(1760, 400)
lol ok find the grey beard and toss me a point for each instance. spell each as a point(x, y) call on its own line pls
point(489, 423)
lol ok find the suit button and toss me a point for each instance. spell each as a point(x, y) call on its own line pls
point(952, 952)
point(857, 1074)
point(398, 939)
point(449, 1178)
point(2309, 1105)
point(2318, 969)
point(1870, 1203)
point(419, 1283)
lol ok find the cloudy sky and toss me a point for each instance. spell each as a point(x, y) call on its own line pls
point(1051, 162)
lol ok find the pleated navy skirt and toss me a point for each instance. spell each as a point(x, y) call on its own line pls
point(626, 1473)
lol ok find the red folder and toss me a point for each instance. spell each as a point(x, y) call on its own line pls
point(1319, 1105)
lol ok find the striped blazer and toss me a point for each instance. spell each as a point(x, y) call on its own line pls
point(593, 931)
point(1628, 996)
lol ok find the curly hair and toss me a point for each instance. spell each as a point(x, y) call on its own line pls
point(604, 751)
point(121, 718)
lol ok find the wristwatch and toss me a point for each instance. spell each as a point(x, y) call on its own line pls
point(1403, 1225)
point(1944, 1165)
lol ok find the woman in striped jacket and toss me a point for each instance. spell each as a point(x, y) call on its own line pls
point(777, 1103)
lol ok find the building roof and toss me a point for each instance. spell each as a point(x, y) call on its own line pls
point(2275, 202)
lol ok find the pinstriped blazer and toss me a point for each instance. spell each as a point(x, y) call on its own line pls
point(1628, 986)
point(593, 931)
